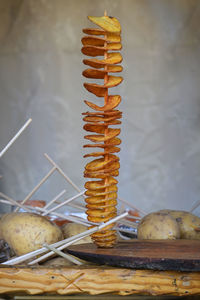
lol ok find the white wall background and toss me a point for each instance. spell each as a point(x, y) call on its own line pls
point(40, 77)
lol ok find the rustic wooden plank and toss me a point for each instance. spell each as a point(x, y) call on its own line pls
point(179, 255)
point(97, 280)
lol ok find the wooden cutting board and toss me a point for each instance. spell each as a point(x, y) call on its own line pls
point(179, 255)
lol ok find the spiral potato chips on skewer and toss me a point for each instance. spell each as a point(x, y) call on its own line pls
point(101, 194)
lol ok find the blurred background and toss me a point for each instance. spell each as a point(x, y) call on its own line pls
point(40, 77)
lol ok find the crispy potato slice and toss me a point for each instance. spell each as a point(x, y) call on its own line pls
point(112, 59)
point(107, 113)
point(114, 46)
point(100, 199)
point(94, 128)
point(100, 74)
point(94, 185)
point(93, 73)
point(101, 163)
point(105, 243)
point(105, 239)
point(96, 154)
point(112, 142)
point(100, 50)
point(103, 138)
point(113, 101)
point(102, 205)
point(99, 118)
point(98, 90)
point(101, 212)
point(113, 81)
point(104, 124)
point(99, 219)
point(93, 50)
point(93, 41)
point(114, 68)
point(104, 191)
point(94, 31)
point(99, 127)
point(106, 172)
point(103, 233)
point(111, 37)
point(114, 122)
point(100, 42)
point(113, 173)
point(101, 90)
point(107, 23)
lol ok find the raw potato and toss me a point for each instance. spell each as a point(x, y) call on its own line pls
point(158, 225)
point(189, 224)
point(71, 229)
point(25, 232)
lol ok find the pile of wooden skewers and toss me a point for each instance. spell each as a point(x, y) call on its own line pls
point(123, 224)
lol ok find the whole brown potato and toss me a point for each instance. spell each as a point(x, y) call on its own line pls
point(158, 225)
point(189, 224)
point(71, 229)
point(26, 232)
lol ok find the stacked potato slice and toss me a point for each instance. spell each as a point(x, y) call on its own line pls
point(101, 194)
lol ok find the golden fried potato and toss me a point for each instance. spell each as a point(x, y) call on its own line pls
point(158, 225)
point(26, 232)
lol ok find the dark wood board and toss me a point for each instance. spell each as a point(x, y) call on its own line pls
point(178, 255)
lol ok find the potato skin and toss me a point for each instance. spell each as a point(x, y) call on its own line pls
point(71, 229)
point(189, 224)
point(26, 232)
point(158, 225)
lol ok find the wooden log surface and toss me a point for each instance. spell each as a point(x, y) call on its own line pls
point(95, 280)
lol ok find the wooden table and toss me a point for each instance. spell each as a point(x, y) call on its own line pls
point(97, 280)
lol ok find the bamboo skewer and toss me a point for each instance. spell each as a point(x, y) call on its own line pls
point(65, 242)
point(77, 206)
point(15, 203)
point(64, 203)
point(55, 199)
point(15, 137)
point(62, 172)
point(66, 217)
point(195, 206)
point(64, 255)
point(81, 235)
point(37, 186)
point(132, 206)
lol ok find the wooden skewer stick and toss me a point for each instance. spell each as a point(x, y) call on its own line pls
point(54, 199)
point(15, 137)
point(64, 255)
point(79, 236)
point(132, 206)
point(37, 186)
point(75, 238)
point(13, 202)
point(66, 217)
point(77, 206)
point(62, 173)
point(64, 203)
point(195, 206)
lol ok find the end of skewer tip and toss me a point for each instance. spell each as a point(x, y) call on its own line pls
point(105, 12)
